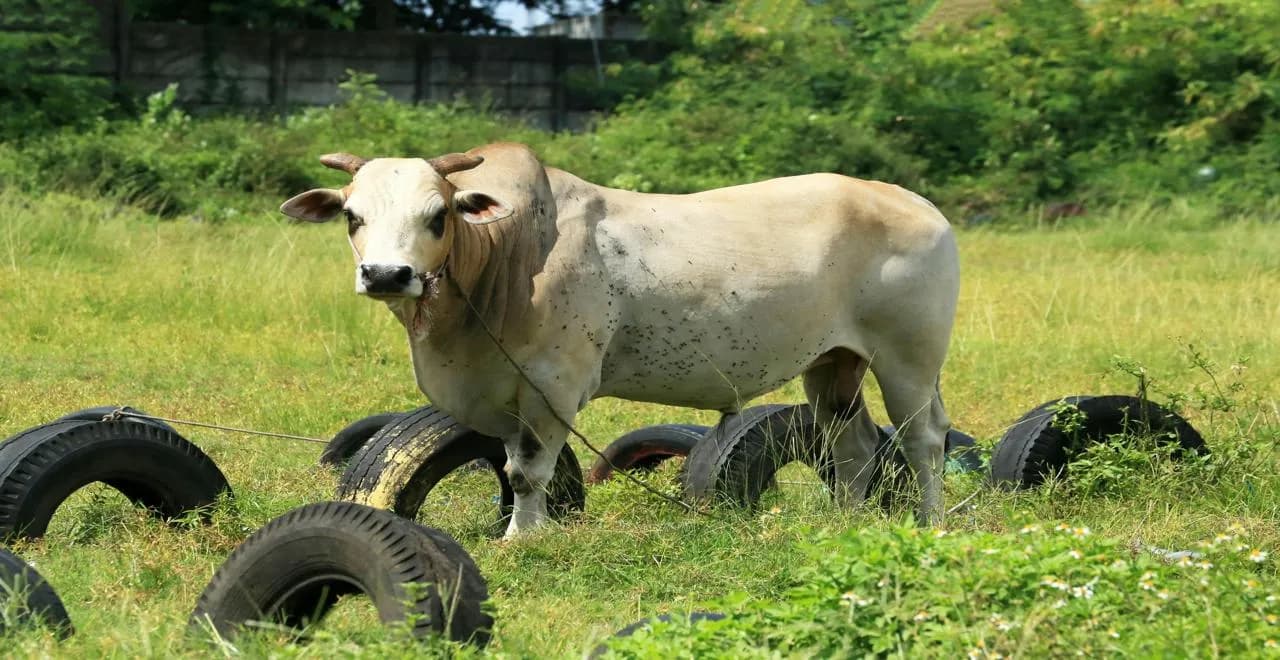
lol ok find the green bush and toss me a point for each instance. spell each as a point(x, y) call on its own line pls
point(1041, 102)
point(1045, 592)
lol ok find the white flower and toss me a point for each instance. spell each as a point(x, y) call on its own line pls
point(1162, 594)
point(922, 616)
point(1113, 633)
point(1059, 604)
point(1029, 529)
point(855, 600)
point(1002, 624)
point(1076, 554)
point(1080, 532)
point(1257, 556)
point(1083, 591)
point(1223, 538)
point(939, 533)
point(1184, 561)
point(1206, 565)
point(1051, 581)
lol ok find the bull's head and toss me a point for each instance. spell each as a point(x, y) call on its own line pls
point(401, 217)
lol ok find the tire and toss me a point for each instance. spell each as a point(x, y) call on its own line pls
point(293, 570)
point(39, 603)
point(152, 466)
point(347, 442)
point(694, 617)
point(403, 462)
point(96, 414)
point(644, 449)
point(738, 457)
point(1035, 446)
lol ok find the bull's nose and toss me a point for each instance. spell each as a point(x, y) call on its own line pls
point(386, 278)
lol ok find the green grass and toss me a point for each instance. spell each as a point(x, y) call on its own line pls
point(253, 324)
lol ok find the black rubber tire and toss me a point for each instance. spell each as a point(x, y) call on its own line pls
point(1035, 447)
point(96, 413)
point(347, 442)
point(294, 569)
point(645, 449)
point(152, 466)
point(41, 606)
point(736, 460)
point(694, 617)
point(403, 462)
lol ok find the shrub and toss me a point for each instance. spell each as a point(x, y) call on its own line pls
point(912, 592)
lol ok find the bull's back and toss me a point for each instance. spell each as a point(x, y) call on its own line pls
point(730, 293)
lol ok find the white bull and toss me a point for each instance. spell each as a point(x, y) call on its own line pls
point(704, 300)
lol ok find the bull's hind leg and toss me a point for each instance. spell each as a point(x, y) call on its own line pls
point(834, 391)
point(914, 403)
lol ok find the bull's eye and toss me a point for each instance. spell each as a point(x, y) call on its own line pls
point(436, 224)
point(353, 221)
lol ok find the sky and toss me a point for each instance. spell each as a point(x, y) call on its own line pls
point(519, 18)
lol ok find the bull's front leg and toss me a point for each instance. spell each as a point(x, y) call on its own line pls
point(531, 462)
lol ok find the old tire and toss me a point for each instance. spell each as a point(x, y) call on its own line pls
point(644, 449)
point(347, 442)
point(293, 570)
point(736, 460)
point(96, 413)
point(150, 465)
point(37, 602)
point(1036, 446)
point(403, 462)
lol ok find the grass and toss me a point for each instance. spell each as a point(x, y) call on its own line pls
point(253, 324)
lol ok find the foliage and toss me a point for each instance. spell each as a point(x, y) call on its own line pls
point(1039, 101)
point(1045, 591)
point(45, 51)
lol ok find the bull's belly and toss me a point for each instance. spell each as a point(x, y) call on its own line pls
point(719, 367)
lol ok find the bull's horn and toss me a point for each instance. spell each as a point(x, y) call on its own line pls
point(343, 161)
point(450, 163)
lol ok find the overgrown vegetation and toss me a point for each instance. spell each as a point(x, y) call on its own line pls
point(1160, 118)
point(1074, 106)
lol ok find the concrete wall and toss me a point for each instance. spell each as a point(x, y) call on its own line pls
point(217, 68)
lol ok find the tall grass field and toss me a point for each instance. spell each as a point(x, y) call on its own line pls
point(253, 323)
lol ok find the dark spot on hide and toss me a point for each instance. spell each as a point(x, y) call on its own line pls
point(529, 445)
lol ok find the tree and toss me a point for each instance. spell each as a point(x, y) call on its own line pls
point(45, 51)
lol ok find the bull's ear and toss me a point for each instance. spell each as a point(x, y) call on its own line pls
point(479, 208)
point(319, 205)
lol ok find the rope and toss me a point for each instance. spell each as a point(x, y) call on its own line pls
point(121, 412)
point(556, 414)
